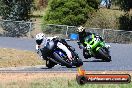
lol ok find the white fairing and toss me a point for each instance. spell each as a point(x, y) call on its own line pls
point(64, 48)
point(48, 39)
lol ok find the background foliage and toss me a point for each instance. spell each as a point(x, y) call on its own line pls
point(70, 12)
point(15, 9)
point(125, 20)
point(125, 5)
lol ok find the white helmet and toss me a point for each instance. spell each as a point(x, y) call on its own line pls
point(39, 38)
point(80, 29)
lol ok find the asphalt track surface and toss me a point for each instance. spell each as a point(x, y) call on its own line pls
point(121, 56)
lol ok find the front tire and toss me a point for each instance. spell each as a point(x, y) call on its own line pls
point(76, 61)
point(104, 54)
point(86, 54)
point(79, 63)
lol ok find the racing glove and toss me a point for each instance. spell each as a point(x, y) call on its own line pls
point(37, 49)
point(88, 47)
point(107, 46)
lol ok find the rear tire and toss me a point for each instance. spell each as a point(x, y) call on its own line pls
point(50, 64)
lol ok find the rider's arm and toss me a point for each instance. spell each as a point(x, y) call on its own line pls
point(37, 48)
point(98, 36)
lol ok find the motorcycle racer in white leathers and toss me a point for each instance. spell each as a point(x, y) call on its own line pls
point(42, 41)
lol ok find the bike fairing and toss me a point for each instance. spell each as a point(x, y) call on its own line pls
point(54, 47)
point(42, 42)
point(93, 45)
point(61, 56)
point(96, 47)
point(93, 41)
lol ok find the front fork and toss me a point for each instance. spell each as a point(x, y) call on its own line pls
point(102, 44)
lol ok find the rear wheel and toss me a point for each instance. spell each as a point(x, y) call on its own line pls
point(50, 64)
point(104, 54)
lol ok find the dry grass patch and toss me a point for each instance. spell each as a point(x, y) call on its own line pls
point(14, 58)
point(8, 77)
point(50, 80)
point(105, 18)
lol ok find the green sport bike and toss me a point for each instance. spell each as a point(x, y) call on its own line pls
point(96, 47)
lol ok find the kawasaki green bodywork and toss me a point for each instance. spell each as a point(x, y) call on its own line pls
point(94, 42)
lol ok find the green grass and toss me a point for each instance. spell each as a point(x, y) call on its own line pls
point(58, 83)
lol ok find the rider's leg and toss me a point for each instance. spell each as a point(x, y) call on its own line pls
point(106, 45)
point(45, 53)
point(65, 49)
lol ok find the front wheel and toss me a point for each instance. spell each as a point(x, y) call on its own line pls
point(76, 61)
point(104, 54)
point(86, 55)
point(79, 63)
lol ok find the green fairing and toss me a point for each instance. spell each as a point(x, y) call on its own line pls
point(97, 48)
point(91, 40)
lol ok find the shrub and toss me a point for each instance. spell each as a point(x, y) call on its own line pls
point(15, 10)
point(69, 12)
point(125, 22)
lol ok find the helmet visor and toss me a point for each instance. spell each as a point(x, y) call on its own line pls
point(39, 41)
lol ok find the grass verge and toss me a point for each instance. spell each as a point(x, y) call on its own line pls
point(15, 58)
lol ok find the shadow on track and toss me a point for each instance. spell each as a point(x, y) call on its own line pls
point(95, 61)
point(60, 67)
point(45, 68)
